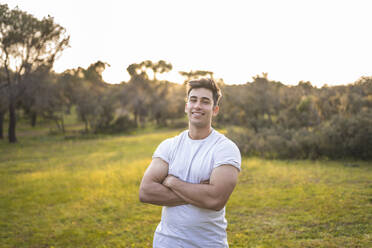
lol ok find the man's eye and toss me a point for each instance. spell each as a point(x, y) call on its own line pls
point(206, 102)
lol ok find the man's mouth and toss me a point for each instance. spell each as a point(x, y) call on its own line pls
point(197, 114)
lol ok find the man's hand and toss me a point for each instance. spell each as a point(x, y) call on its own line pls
point(168, 180)
point(153, 191)
point(205, 182)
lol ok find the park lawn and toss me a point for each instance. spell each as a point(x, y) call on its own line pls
point(83, 192)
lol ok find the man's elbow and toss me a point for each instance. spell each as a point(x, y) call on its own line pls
point(219, 207)
point(216, 204)
point(143, 197)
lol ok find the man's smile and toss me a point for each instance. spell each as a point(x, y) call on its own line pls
point(197, 113)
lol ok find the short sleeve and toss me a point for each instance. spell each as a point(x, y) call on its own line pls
point(163, 150)
point(227, 153)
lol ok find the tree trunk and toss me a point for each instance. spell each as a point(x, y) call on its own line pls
point(33, 119)
point(1, 125)
point(12, 123)
point(86, 125)
point(63, 124)
point(136, 118)
point(57, 123)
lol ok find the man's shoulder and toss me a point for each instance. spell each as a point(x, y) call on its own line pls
point(182, 135)
point(226, 152)
point(222, 140)
point(165, 149)
point(175, 139)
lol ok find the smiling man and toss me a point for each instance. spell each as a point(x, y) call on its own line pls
point(192, 176)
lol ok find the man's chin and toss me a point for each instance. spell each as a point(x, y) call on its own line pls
point(198, 124)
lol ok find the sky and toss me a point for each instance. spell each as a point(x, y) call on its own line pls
point(324, 42)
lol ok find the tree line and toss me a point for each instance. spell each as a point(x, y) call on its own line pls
point(269, 119)
point(264, 117)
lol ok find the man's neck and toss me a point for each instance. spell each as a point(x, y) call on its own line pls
point(199, 133)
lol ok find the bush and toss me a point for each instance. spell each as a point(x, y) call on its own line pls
point(345, 137)
point(123, 124)
point(341, 137)
point(178, 123)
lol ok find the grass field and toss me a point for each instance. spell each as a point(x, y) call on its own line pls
point(83, 192)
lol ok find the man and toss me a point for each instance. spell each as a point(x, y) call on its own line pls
point(192, 176)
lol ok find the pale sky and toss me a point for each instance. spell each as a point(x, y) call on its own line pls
point(324, 42)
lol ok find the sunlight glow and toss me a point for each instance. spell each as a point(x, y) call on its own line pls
point(324, 42)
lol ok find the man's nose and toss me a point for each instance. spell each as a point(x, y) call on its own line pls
point(198, 104)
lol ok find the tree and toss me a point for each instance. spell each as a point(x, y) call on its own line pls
point(160, 67)
point(51, 102)
point(148, 97)
point(26, 43)
point(3, 102)
point(86, 89)
point(195, 74)
point(35, 93)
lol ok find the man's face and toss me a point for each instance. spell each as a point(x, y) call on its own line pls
point(199, 107)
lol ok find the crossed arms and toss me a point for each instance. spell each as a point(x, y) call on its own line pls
point(159, 188)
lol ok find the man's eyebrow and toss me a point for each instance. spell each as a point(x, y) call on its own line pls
point(204, 98)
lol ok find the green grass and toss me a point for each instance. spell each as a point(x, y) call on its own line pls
point(83, 192)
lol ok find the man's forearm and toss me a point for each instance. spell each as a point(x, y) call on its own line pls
point(200, 195)
point(158, 194)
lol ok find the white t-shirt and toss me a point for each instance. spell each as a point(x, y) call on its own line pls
point(193, 161)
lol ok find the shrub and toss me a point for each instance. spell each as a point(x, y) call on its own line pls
point(341, 137)
point(123, 124)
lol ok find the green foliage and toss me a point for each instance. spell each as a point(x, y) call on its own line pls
point(195, 75)
point(347, 137)
point(123, 124)
point(27, 45)
point(151, 100)
point(278, 121)
point(84, 193)
point(340, 137)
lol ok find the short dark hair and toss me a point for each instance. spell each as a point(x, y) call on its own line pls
point(206, 83)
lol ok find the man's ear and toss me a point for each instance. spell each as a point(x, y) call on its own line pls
point(216, 109)
point(186, 107)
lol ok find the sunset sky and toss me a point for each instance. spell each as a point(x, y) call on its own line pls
point(324, 42)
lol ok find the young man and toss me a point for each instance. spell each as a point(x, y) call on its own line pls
point(192, 176)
